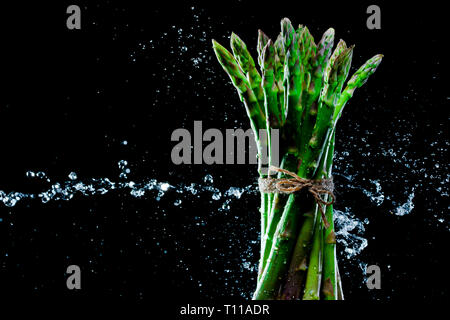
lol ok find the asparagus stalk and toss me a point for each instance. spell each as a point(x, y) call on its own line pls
point(318, 64)
point(278, 261)
point(247, 65)
point(288, 163)
point(282, 247)
point(329, 289)
point(280, 56)
point(262, 41)
point(356, 81)
point(314, 275)
point(337, 75)
point(299, 263)
point(248, 97)
point(292, 83)
point(263, 211)
point(270, 90)
point(316, 264)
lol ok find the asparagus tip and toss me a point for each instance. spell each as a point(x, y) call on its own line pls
point(342, 43)
point(376, 60)
point(236, 42)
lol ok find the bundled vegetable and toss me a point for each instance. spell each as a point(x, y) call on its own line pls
point(301, 91)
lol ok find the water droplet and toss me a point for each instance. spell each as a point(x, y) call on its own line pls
point(73, 176)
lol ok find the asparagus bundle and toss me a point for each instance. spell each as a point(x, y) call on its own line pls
point(301, 91)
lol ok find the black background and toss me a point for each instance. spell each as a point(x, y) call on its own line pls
point(70, 97)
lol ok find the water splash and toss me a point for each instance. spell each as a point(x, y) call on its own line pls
point(349, 231)
point(406, 207)
point(349, 227)
point(67, 190)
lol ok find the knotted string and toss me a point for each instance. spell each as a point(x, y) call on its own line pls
point(290, 185)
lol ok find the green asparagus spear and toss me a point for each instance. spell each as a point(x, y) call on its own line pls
point(231, 67)
point(280, 56)
point(329, 289)
point(356, 81)
point(328, 100)
point(299, 262)
point(273, 113)
point(262, 41)
point(247, 65)
point(311, 93)
point(314, 275)
point(289, 162)
point(278, 261)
